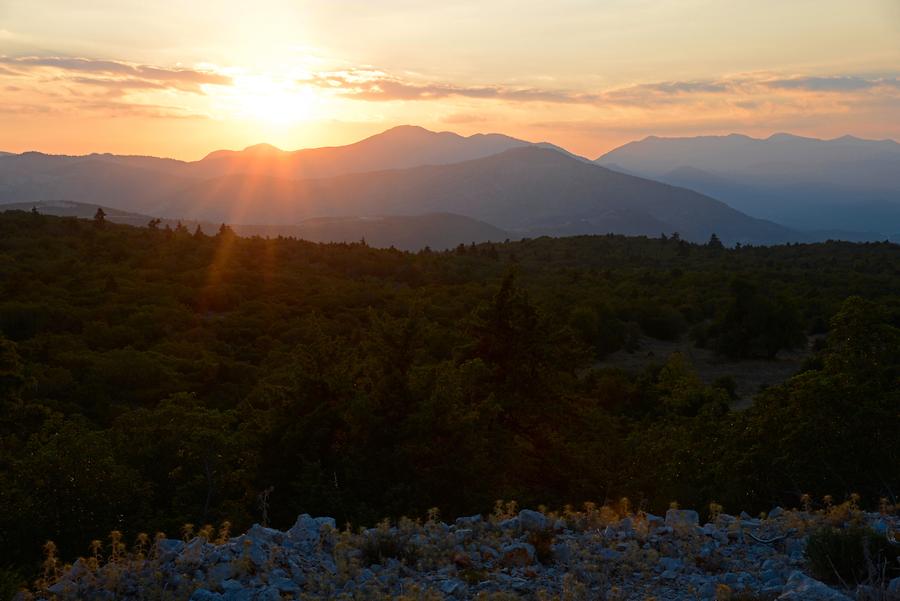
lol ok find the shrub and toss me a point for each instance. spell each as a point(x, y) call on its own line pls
point(542, 541)
point(382, 544)
point(850, 556)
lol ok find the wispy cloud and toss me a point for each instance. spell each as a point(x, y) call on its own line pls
point(77, 85)
point(740, 90)
point(116, 74)
point(838, 83)
point(377, 86)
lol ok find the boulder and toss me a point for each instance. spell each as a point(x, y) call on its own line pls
point(468, 521)
point(532, 521)
point(202, 594)
point(682, 518)
point(517, 555)
point(801, 587)
point(305, 530)
point(894, 586)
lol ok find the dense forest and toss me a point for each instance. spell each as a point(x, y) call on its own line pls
point(155, 377)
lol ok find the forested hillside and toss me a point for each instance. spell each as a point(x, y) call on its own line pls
point(153, 378)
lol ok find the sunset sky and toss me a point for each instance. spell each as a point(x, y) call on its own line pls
point(180, 79)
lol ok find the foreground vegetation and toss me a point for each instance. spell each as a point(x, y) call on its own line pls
point(152, 378)
point(600, 553)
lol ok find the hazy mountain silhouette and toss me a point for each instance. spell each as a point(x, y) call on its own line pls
point(529, 189)
point(397, 148)
point(141, 183)
point(515, 186)
point(407, 232)
point(846, 183)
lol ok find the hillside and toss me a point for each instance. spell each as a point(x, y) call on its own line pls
point(509, 184)
point(531, 191)
point(135, 183)
point(439, 231)
point(844, 184)
point(397, 148)
point(153, 378)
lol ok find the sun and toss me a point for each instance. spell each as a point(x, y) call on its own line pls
point(272, 100)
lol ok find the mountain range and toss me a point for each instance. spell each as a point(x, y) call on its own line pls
point(449, 188)
point(804, 183)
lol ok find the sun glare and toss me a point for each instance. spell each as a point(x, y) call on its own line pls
point(270, 100)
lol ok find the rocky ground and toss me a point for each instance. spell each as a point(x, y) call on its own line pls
point(600, 553)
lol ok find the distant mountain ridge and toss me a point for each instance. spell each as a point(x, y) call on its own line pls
point(508, 185)
point(530, 191)
point(845, 183)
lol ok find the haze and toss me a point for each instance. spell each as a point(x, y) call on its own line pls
point(589, 76)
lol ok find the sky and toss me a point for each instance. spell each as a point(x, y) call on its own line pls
point(180, 79)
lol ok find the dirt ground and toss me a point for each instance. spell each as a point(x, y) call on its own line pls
point(750, 375)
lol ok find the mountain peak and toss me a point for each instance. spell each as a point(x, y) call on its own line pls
point(262, 148)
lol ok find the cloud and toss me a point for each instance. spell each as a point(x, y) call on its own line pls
point(117, 74)
point(741, 90)
point(838, 83)
point(378, 87)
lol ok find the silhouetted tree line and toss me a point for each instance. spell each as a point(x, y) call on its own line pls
point(150, 378)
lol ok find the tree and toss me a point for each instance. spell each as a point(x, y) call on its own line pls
point(714, 242)
point(100, 217)
point(755, 324)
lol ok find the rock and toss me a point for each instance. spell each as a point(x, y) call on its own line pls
point(682, 518)
point(201, 594)
point(168, 548)
point(517, 555)
point(239, 594)
point(510, 524)
point(654, 520)
point(708, 590)
point(670, 564)
point(777, 512)
point(284, 585)
point(269, 594)
point(220, 572)
point(609, 555)
point(880, 527)
point(453, 588)
point(801, 587)
point(304, 530)
point(468, 521)
point(263, 536)
point(562, 553)
point(532, 521)
point(770, 577)
point(669, 575)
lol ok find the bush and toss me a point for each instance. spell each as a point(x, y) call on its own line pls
point(850, 556)
point(382, 544)
point(542, 541)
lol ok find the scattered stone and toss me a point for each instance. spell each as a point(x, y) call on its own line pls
point(518, 554)
point(532, 521)
point(801, 587)
point(682, 518)
point(628, 559)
